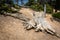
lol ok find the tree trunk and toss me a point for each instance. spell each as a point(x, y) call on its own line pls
point(44, 15)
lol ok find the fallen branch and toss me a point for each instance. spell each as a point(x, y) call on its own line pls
point(19, 16)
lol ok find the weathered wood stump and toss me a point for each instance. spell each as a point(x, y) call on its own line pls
point(38, 22)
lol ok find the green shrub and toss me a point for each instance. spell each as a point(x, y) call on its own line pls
point(16, 6)
point(37, 7)
point(48, 9)
point(56, 15)
point(6, 6)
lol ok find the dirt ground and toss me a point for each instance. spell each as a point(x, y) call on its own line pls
point(13, 29)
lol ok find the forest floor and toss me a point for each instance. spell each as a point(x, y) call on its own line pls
point(13, 29)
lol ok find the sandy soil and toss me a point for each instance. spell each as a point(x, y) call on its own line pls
point(13, 29)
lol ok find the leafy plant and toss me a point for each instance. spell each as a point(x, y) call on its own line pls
point(48, 9)
point(56, 15)
point(37, 7)
point(6, 6)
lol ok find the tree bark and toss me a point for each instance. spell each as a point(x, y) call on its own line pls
point(44, 15)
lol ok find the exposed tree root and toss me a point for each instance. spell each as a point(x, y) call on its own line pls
point(38, 22)
point(42, 24)
point(18, 16)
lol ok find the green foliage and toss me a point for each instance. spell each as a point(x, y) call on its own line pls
point(37, 7)
point(16, 6)
point(6, 6)
point(49, 8)
point(30, 2)
point(56, 15)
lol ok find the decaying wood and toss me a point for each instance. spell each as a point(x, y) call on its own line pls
point(42, 23)
point(18, 16)
point(38, 22)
